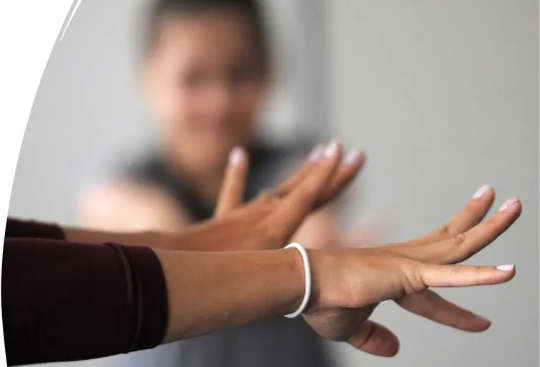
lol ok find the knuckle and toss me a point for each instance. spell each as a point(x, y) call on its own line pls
point(306, 199)
point(444, 230)
point(455, 270)
point(412, 279)
point(265, 198)
point(272, 236)
point(458, 239)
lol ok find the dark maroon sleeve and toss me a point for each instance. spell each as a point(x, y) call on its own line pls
point(32, 229)
point(63, 301)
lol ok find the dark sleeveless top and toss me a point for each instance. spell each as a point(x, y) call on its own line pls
point(278, 342)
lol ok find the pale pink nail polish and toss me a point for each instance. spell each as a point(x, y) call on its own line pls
point(236, 156)
point(316, 153)
point(353, 156)
point(506, 267)
point(508, 204)
point(481, 191)
point(331, 149)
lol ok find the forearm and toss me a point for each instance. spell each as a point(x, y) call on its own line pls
point(215, 235)
point(198, 237)
point(211, 291)
point(153, 239)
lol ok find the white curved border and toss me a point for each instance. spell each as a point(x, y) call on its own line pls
point(28, 31)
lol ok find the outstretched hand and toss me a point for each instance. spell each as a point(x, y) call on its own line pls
point(348, 284)
point(270, 220)
point(320, 179)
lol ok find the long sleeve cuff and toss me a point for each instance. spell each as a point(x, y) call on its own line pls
point(63, 301)
point(32, 229)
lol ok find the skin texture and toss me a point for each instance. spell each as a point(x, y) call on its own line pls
point(213, 290)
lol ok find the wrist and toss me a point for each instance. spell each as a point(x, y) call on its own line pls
point(321, 265)
point(307, 280)
point(321, 269)
point(297, 281)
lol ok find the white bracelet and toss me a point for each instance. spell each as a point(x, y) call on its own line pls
point(307, 276)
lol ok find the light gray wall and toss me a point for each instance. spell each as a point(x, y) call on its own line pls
point(442, 94)
point(444, 97)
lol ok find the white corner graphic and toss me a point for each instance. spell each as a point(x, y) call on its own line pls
point(73, 11)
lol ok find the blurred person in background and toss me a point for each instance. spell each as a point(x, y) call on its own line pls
point(206, 74)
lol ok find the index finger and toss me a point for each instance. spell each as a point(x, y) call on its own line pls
point(347, 171)
point(232, 190)
point(470, 215)
point(291, 182)
point(301, 200)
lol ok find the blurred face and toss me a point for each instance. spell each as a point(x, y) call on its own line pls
point(205, 84)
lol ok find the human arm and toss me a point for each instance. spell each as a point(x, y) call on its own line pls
point(238, 287)
point(232, 288)
point(208, 291)
point(352, 324)
point(316, 183)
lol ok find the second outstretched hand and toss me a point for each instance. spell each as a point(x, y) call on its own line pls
point(270, 220)
point(265, 222)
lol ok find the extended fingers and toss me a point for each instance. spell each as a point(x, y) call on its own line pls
point(469, 216)
point(232, 189)
point(291, 182)
point(464, 275)
point(347, 171)
point(430, 305)
point(462, 246)
point(375, 339)
point(301, 200)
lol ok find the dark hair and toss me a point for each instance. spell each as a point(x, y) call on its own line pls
point(163, 9)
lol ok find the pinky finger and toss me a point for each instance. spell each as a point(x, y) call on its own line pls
point(465, 275)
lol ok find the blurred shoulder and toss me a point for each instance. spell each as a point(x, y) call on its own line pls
point(126, 204)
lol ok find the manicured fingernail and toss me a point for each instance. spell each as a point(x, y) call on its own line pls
point(331, 149)
point(508, 204)
point(236, 156)
point(353, 156)
point(316, 153)
point(506, 267)
point(481, 191)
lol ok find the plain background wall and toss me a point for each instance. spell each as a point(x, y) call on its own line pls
point(444, 97)
point(442, 94)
